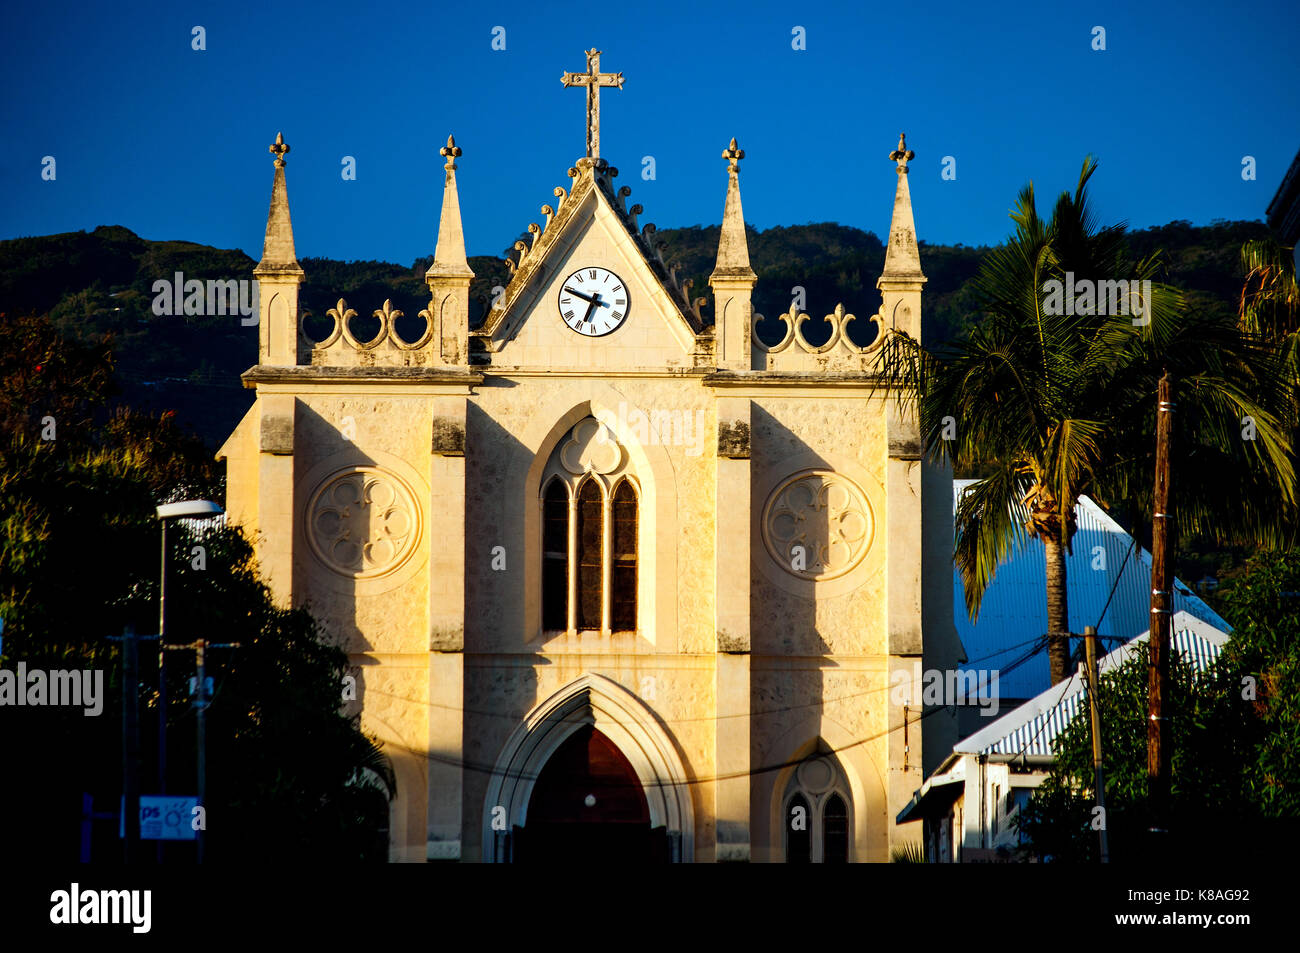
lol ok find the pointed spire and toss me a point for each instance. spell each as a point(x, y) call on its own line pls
point(449, 256)
point(277, 249)
point(733, 248)
point(902, 256)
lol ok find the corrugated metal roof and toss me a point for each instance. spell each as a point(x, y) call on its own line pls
point(1031, 728)
point(1013, 616)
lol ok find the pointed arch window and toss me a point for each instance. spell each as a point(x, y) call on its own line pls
point(622, 598)
point(798, 842)
point(816, 811)
point(590, 535)
point(835, 831)
point(555, 556)
point(591, 555)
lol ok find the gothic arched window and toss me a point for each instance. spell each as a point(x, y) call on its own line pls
point(591, 558)
point(590, 507)
point(798, 839)
point(622, 597)
point(835, 831)
point(555, 556)
point(816, 811)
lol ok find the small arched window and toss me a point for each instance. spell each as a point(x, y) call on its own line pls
point(798, 838)
point(591, 562)
point(835, 831)
point(622, 596)
point(819, 792)
point(555, 556)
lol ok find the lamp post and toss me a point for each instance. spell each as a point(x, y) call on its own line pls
point(191, 509)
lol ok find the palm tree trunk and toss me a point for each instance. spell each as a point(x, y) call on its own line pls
point(1058, 616)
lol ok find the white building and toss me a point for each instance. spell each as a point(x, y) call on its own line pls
point(967, 806)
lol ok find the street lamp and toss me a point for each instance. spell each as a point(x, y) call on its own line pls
point(191, 509)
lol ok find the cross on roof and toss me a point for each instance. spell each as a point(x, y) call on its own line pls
point(278, 149)
point(593, 79)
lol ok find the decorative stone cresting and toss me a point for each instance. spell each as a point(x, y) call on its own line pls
point(794, 321)
point(341, 345)
point(363, 522)
point(824, 512)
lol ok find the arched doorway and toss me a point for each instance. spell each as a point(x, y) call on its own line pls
point(591, 732)
point(588, 805)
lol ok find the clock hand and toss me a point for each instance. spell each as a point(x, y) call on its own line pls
point(578, 293)
point(590, 308)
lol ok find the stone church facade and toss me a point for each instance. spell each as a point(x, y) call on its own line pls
point(617, 579)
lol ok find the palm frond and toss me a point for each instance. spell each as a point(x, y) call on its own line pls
point(990, 523)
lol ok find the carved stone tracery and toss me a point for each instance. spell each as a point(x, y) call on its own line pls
point(818, 525)
point(363, 522)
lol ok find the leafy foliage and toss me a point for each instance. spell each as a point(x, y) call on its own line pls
point(1236, 730)
point(1047, 403)
point(290, 775)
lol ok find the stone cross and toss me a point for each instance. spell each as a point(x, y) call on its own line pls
point(278, 149)
point(902, 155)
point(593, 79)
point(733, 157)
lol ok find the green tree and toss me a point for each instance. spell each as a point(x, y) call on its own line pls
point(1235, 770)
point(291, 774)
point(1270, 298)
point(1048, 402)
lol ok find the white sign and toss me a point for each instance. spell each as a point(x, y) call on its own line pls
point(163, 817)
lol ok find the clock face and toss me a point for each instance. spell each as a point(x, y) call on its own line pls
point(593, 301)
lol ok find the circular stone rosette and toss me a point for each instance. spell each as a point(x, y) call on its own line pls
point(818, 525)
point(363, 522)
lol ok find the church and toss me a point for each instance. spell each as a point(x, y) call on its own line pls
point(617, 579)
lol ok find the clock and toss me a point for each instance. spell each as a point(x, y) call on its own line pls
point(593, 301)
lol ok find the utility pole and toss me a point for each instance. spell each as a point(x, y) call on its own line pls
point(1158, 736)
point(201, 718)
point(1090, 644)
point(162, 675)
point(130, 743)
point(201, 702)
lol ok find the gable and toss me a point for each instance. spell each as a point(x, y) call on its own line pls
point(589, 231)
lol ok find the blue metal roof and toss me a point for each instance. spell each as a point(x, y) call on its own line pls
point(1013, 615)
point(1032, 728)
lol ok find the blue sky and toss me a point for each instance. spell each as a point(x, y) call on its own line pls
point(172, 143)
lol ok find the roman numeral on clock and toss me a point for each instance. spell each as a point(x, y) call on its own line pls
point(568, 316)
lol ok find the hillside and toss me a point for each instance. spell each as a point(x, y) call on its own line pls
point(101, 282)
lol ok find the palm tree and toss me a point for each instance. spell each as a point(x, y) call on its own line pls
point(1270, 302)
point(1270, 298)
point(1046, 406)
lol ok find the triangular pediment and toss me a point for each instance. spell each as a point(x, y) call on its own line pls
point(589, 230)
